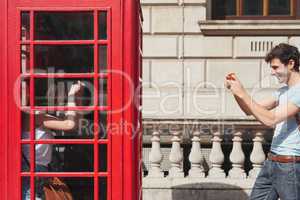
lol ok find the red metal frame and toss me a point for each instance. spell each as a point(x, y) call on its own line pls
point(123, 55)
point(133, 135)
point(3, 100)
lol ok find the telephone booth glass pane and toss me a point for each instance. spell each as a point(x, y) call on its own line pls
point(103, 125)
point(64, 58)
point(102, 92)
point(25, 26)
point(102, 158)
point(65, 157)
point(47, 90)
point(102, 29)
point(64, 26)
point(102, 58)
point(102, 188)
point(25, 53)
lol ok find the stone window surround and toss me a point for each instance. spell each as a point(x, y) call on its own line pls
point(250, 27)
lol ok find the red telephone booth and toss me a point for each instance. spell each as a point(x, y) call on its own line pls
point(47, 48)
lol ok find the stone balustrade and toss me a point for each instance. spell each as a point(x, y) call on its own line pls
point(231, 147)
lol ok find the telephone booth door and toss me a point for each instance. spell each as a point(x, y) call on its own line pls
point(51, 129)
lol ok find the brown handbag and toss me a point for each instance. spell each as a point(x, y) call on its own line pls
point(56, 189)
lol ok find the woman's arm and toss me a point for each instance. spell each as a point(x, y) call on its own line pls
point(70, 122)
point(49, 122)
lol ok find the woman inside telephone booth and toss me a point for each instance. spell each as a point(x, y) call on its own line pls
point(46, 125)
point(57, 124)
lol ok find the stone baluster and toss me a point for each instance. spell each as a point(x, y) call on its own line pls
point(196, 158)
point(257, 156)
point(237, 157)
point(176, 157)
point(216, 157)
point(155, 157)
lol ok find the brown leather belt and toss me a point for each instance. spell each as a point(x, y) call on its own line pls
point(283, 159)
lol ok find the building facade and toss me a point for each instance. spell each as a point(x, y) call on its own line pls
point(197, 141)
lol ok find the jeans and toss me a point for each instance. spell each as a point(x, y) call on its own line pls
point(39, 193)
point(277, 180)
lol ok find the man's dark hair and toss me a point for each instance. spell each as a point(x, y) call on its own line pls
point(284, 52)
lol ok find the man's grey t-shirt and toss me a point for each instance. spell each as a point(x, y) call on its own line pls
point(286, 138)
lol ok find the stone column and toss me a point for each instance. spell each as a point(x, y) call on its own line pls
point(237, 157)
point(155, 157)
point(216, 157)
point(257, 156)
point(196, 158)
point(176, 157)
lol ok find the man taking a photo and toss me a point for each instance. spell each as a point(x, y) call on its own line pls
point(280, 175)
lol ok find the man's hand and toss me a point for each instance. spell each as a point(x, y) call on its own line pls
point(235, 86)
point(228, 77)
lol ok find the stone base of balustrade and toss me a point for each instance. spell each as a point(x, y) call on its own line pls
point(197, 173)
point(196, 188)
point(238, 173)
point(176, 173)
point(253, 173)
point(156, 173)
point(216, 173)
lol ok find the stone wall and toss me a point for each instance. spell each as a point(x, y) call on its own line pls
point(183, 69)
point(185, 58)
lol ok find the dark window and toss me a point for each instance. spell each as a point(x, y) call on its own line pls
point(255, 9)
point(252, 7)
point(222, 8)
point(279, 7)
